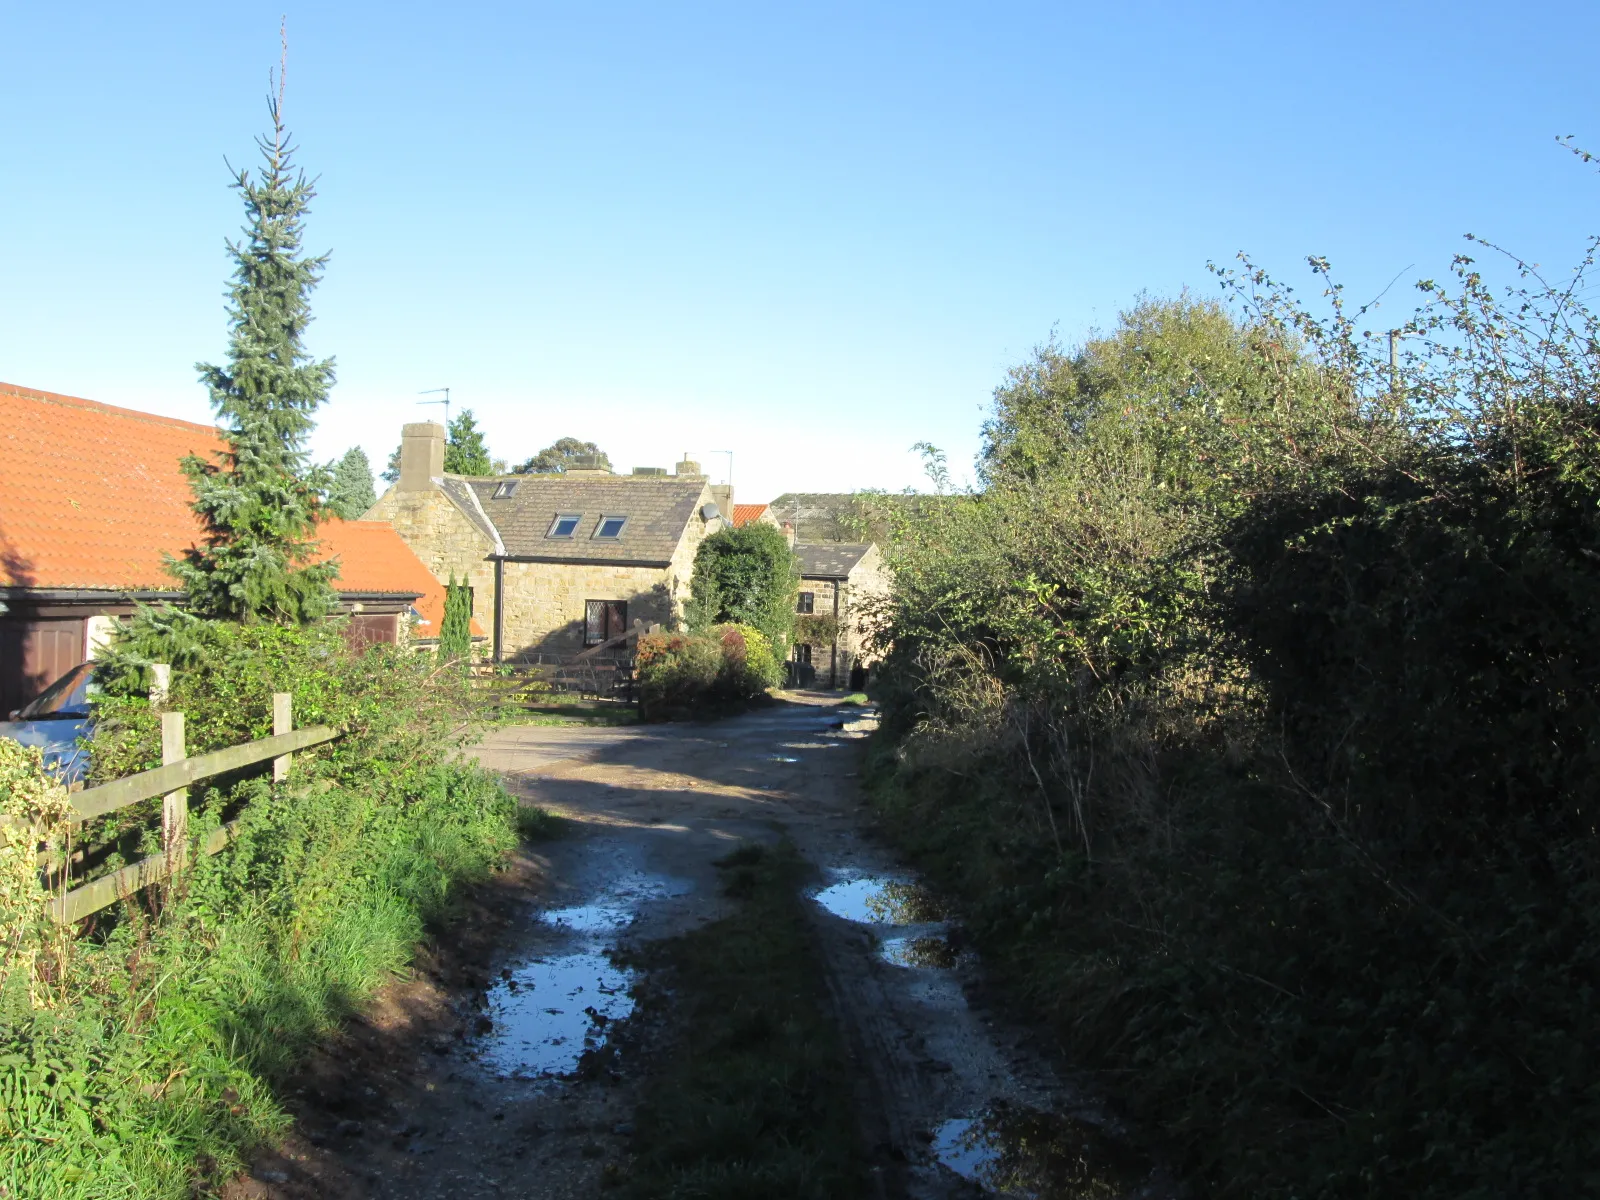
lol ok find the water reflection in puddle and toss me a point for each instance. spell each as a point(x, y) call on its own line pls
point(1023, 1152)
point(927, 951)
point(544, 1015)
point(552, 1010)
point(879, 901)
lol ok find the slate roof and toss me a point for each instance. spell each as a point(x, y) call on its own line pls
point(92, 497)
point(658, 509)
point(830, 560)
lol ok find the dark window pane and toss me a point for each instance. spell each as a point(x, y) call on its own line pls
point(565, 525)
point(611, 527)
point(806, 603)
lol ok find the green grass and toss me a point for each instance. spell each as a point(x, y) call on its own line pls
point(154, 1072)
point(753, 1100)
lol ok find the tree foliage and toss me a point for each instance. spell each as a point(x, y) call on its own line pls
point(561, 454)
point(1252, 702)
point(465, 451)
point(455, 629)
point(747, 576)
point(260, 501)
point(351, 491)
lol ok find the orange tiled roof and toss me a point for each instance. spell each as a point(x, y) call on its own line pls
point(743, 514)
point(91, 496)
point(374, 558)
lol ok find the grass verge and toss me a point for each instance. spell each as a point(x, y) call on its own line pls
point(752, 1098)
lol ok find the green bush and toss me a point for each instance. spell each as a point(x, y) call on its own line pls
point(1251, 705)
point(153, 1067)
point(721, 670)
point(747, 576)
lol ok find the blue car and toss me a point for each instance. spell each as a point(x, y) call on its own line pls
point(57, 721)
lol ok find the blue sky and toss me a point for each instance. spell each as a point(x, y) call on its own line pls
point(810, 235)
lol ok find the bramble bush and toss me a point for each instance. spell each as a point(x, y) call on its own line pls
point(1251, 703)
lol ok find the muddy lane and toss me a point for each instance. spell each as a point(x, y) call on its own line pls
point(500, 1079)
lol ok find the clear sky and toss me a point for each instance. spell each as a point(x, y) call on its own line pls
point(811, 235)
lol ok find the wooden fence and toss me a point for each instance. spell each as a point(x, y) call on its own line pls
point(171, 782)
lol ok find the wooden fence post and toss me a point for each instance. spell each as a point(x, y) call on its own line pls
point(282, 722)
point(174, 805)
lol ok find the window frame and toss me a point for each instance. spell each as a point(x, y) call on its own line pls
point(607, 609)
point(575, 518)
point(505, 489)
point(805, 603)
point(599, 525)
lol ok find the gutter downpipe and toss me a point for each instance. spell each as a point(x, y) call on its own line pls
point(499, 606)
point(833, 654)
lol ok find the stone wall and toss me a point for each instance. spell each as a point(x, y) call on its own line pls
point(543, 604)
point(867, 584)
point(446, 542)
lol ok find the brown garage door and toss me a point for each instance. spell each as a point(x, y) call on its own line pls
point(33, 655)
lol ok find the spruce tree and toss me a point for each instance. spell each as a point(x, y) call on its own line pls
point(260, 500)
point(352, 491)
point(466, 453)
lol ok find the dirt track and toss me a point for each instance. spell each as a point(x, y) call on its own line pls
point(453, 1086)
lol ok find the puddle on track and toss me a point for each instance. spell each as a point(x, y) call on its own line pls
point(552, 1010)
point(544, 1015)
point(875, 900)
point(929, 950)
point(1022, 1152)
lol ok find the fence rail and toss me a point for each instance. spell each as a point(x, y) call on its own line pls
point(171, 781)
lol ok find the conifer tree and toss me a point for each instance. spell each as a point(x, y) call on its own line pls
point(352, 491)
point(260, 500)
point(455, 629)
point(466, 453)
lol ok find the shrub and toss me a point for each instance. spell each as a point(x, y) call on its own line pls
point(749, 576)
point(149, 1063)
point(685, 673)
point(1251, 706)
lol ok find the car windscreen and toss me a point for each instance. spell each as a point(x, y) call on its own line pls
point(67, 696)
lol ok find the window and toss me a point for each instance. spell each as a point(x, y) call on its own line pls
point(506, 490)
point(603, 620)
point(610, 527)
point(564, 526)
point(806, 602)
point(802, 654)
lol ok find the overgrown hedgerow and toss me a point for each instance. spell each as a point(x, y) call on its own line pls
point(1252, 706)
point(175, 1018)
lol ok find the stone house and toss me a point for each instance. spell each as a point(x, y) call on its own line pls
point(840, 582)
point(556, 563)
point(92, 498)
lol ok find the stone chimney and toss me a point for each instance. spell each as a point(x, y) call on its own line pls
point(722, 493)
point(421, 456)
point(788, 534)
point(687, 467)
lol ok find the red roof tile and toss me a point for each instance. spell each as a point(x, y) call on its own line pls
point(743, 514)
point(374, 558)
point(92, 497)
